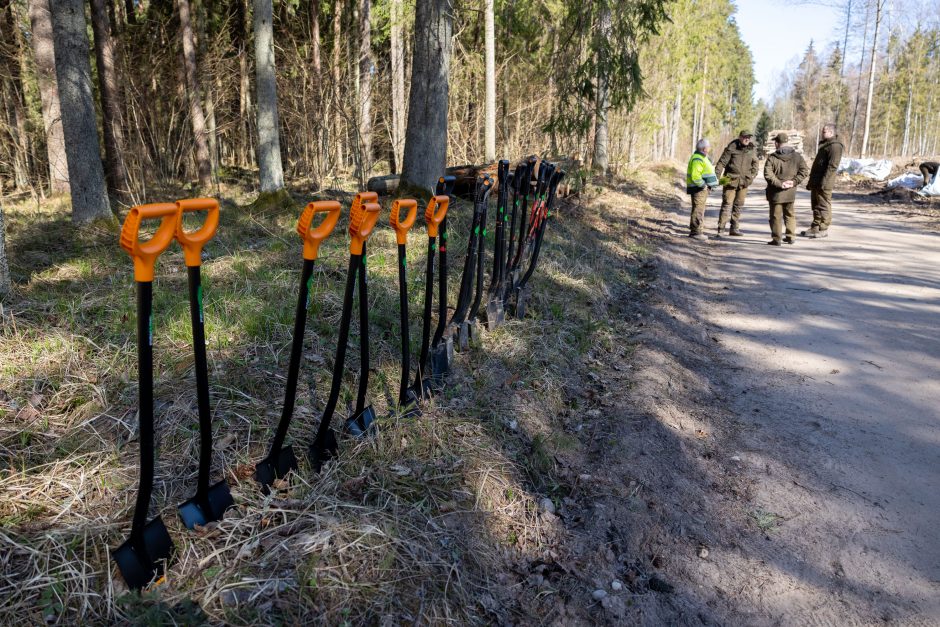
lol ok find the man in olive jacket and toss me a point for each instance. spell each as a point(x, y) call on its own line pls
point(740, 165)
point(822, 178)
point(784, 170)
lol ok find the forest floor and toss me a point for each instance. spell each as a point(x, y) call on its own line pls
point(655, 443)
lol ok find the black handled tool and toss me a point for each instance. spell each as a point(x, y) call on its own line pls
point(442, 348)
point(281, 459)
point(407, 398)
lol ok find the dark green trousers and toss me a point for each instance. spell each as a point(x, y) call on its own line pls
point(732, 199)
point(781, 213)
point(821, 201)
point(697, 222)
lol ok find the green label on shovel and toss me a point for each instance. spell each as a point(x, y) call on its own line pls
point(199, 301)
point(309, 291)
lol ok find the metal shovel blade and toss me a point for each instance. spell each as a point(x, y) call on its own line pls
point(463, 337)
point(473, 333)
point(408, 406)
point(441, 356)
point(362, 424)
point(200, 511)
point(493, 310)
point(275, 466)
point(323, 450)
point(142, 562)
point(522, 296)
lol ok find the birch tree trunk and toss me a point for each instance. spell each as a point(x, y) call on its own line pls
point(398, 85)
point(879, 5)
point(44, 59)
point(73, 76)
point(337, 78)
point(111, 123)
point(269, 144)
point(489, 36)
point(426, 136)
point(196, 114)
point(858, 85)
point(365, 90)
point(905, 143)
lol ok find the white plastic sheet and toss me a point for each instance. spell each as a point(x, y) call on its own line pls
point(907, 180)
point(933, 189)
point(869, 168)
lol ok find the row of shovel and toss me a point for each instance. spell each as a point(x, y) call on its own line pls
point(519, 231)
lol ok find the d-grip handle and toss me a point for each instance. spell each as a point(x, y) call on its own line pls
point(362, 218)
point(314, 237)
point(145, 254)
point(401, 226)
point(192, 242)
point(435, 213)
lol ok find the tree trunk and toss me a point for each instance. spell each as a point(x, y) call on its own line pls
point(489, 37)
point(213, 133)
point(398, 85)
point(426, 135)
point(73, 74)
point(337, 79)
point(4, 266)
point(365, 90)
point(676, 119)
point(12, 85)
point(131, 12)
point(845, 41)
point(196, 114)
point(858, 85)
point(879, 5)
point(269, 143)
point(905, 144)
point(115, 170)
point(315, 41)
point(44, 59)
point(244, 87)
point(602, 104)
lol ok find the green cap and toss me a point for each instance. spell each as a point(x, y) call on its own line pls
point(745, 133)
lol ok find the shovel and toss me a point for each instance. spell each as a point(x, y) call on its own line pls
point(363, 215)
point(515, 247)
point(281, 459)
point(434, 216)
point(494, 306)
point(407, 398)
point(210, 501)
point(145, 553)
point(457, 322)
point(469, 332)
point(442, 349)
point(522, 291)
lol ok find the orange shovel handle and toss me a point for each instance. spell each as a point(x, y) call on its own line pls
point(314, 237)
point(401, 226)
point(435, 213)
point(363, 215)
point(192, 242)
point(145, 254)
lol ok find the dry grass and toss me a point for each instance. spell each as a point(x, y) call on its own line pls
point(431, 521)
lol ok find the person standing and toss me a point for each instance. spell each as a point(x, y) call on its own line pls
point(739, 163)
point(822, 177)
point(784, 170)
point(699, 178)
point(928, 169)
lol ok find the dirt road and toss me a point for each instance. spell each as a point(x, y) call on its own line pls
point(829, 354)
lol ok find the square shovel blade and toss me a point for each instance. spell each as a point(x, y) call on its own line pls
point(275, 466)
point(494, 314)
point(142, 562)
point(363, 424)
point(323, 450)
point(200, 511)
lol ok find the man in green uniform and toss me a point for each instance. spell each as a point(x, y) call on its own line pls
point(784, 170)
point(739, 163)
point(822, 177)
point(699, 178)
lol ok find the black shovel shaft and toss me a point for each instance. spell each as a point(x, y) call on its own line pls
point(145, 407)
point(340, 359)
point(426, 319)
point(405, 335)
point(296, 350)
point(442, 285)
point(480, 259)
point(469, 268)
point(540, 234)
point(363, 334)
point(202, 380)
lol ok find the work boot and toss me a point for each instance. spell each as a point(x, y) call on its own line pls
point(698, 236)
point(810, 232)
point(823, 233)
point(774, 242)
point(736, 233)
point(789, 240)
